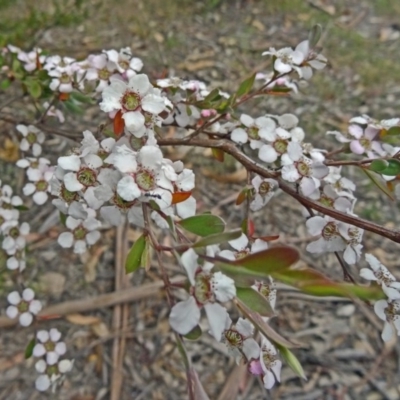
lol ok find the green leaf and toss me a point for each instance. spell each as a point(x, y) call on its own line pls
point(270, 260)
point(22, 207)
point(255, 301)
point(392, 169)
point(29, 348)
point(292, 361)
point(217, 238)
point(34, 88)
point(243, 277)
point(218, 154)
point(394, 131)
point(203, 225)
point(378, 165)
point(82, 98)
point(4, 85)
point(246, 86)
point(194, 334)
point(134, 258)
point(377, 180)
point(63, 218)
point(261, 325)
point(314, 35)
point(73, 107)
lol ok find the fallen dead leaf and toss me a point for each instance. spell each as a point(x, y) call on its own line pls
point(9, 151)
point(196, 66)
point(79, 319)
point(100, 329)
point(53, 283)
point(90, 264)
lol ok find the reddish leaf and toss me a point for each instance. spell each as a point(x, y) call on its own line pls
point(269, 238)
point(241, 197)
point(119, 124)
point(179, 197)
point(63, 96)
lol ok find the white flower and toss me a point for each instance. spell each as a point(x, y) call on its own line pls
point(14, 236)
point(388, 312)
point(330, 239)
point(84, 232)
point(124, 63)
point(268, 290)
point(253, 131)
point(17, 261)
point(206, 290)
point(239, 339)
point(32, 139)
point(53, 112)
point(353, 237)
point(286, 60)
point(243, 248)
point(51, 375)
point(382, 276)
point(311, 60)
point(330, 198)
point(32, 60)
point(264, 189)
point(25, 307)
point(134, 99)
point(49, 345)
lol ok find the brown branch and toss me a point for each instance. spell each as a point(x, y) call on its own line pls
point(251, 165)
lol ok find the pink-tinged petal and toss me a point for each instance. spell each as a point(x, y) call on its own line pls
point(184, 316)
point(356, 131)
point(356, 147)
point(239, 135)
point(217, 316)
point(255, 368)
point(189, 261)
point(370, 132)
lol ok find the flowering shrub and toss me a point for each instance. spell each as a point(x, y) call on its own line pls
point(121, 174)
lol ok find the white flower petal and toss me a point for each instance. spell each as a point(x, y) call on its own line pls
point(184, 316)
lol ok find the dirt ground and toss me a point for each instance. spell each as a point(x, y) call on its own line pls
point(219, 42)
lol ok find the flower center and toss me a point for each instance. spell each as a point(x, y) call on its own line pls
point(265, 188)
point(50, 346)
point(121, 203)
point(253, 133)
point(280, 146)
point(365, 143)
point(136, 143)
point(330, 230)
point(303, 168)
point(23, 306)
point(326, 201)
point(202, 288)
point(41, 186)
point(233, 338)
point(68, 196)
point(145, 179)
point(103, 74)
point(2, 220)
point(14, 232)
point(65, 78)
point(265, 289)
point(241, 254)
point(269, 358)
point(130, 101)
point(79, 233)
point(123, 64)
point(86, 176)
point(31, 137)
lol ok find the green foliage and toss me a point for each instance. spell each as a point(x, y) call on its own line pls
point(203, 225)
point(32, 20)
point(134, 258)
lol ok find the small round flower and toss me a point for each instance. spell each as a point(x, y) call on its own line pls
point(49, 345)
point(51, 375)
point(32, 139)
point(25, 307)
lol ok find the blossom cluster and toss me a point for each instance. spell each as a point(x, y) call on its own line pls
point(105, 180)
